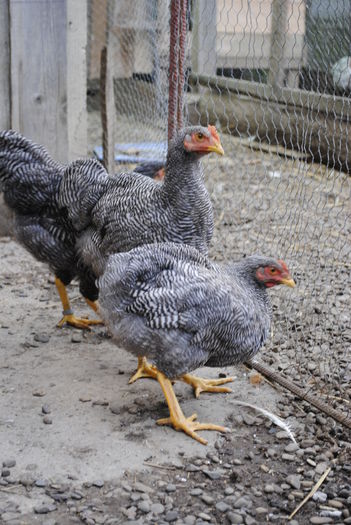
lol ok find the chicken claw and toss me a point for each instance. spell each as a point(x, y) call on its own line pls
point(176, 417)
point(144, 370)
point(78, 322)
point(206, 385)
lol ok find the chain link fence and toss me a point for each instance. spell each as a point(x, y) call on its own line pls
point(275, 78)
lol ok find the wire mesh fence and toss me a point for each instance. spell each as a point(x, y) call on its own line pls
point(275, 78)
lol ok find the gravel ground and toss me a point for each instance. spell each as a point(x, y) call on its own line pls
point(78, 445)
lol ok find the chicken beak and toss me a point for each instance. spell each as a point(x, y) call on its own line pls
point(216, 147)
point(288, 281)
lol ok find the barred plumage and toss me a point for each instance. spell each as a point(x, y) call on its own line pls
point(170, 303)
point(30, 180)
point(120, 212)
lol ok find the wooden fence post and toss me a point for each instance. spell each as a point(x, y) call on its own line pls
point(48, 74)
point(203, 52)
point(276, 75)
point(5, 120)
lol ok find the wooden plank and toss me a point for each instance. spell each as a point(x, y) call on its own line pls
point(329, 104)
point(76, 73)
point(204, 34)
point(5, 103)
point(321, 135)
point(48, 74)
point(276, 74)
point(38, 73)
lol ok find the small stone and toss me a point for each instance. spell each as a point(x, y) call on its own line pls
point(228, 491)
point(311, 462)
point(98, 483)
point(5, 473)
point(320, 520)
point(261, 511)
point(46, 409)
point(221, 506)
point(335, 503)
point(204, 516)
point(171, 515)
point(115, 407)
point(40, 483)
point(171, 488)
point(42, 338)
point(207, 499)
point(191, 468)
point(269, 488)
point(288, 457)
point(292, 447)
point(213, 474)
point(243, 502)
point(157, 508)
point(47, 420)
point(38, 393)
point(282, 435)
point(140, 487)
point(44, 509)
point(336, 514)
point(144, 506)
point(85, 398)
point(100, 402)
point(294, 481)
point(9, 463)
point(321, 468)
point(196, 492)
point(234, 518)
point(76, 337)
point(189, 520)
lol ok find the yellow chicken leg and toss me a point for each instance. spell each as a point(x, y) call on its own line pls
point(68, 316)
point(207, 385)
point(176, 417)
point(198, 383)
point(144, 370)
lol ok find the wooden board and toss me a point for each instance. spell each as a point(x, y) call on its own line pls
point(48, 80)
point(4, 66)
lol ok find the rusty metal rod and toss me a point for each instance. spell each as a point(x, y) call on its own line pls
point(173, 69)
point(338, 416)
point(181, 60)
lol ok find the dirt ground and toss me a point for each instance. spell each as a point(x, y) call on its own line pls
point(80, 445)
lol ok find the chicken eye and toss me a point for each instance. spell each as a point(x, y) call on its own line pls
point(200, 136)
point(273, 270)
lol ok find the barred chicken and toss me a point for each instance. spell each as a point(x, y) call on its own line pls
point(30, 180)
point(168, 302)
point(117, 213)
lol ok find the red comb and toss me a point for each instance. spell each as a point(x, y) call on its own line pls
point(213, 131)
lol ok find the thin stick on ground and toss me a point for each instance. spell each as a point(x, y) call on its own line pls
point(338, 416)
point(310, 494)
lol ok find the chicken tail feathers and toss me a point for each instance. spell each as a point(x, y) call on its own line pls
point(28, 175)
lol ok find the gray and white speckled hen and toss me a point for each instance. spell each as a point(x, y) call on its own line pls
point(30, 180)
point(118, 213)
point(169, 303)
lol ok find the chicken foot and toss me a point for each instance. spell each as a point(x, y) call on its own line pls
point(176, 417)
point(198, 383)
point(144, 370)
point(68, 315)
